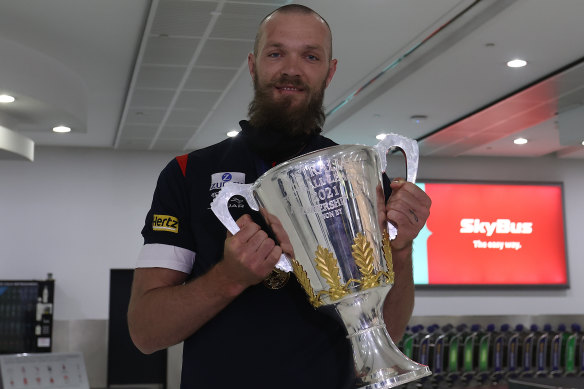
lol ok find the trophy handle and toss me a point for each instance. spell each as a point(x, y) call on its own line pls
point(408, 146)
point(410, 149)
point(220, 207)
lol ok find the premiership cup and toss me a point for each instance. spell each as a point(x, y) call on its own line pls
point(327, 202)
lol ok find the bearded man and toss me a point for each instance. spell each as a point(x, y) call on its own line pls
point(215, 291)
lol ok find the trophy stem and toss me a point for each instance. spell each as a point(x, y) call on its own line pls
point(379, 364)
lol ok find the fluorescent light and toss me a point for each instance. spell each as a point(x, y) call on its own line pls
point(520, 141)
point(516, 63)
point(6, 99)
point(232, 133)
point(61, 129)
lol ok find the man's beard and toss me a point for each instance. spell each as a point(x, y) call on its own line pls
point(265, 114)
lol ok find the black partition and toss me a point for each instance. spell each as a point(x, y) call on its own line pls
point(126, 365)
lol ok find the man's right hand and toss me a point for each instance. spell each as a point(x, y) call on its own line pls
point(164, 310)
point(249, 255)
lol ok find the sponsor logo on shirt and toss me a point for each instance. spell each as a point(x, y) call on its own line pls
point(235, 202)
point(218, 180)
point(165, 223)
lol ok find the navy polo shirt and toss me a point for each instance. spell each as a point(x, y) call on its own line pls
point(265, 338)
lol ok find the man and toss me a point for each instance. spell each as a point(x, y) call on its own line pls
point(194, 283)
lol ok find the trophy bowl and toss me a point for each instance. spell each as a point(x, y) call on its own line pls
point(327, 201)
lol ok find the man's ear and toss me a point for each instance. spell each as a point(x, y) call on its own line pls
point(332, 70)
point(251, 65)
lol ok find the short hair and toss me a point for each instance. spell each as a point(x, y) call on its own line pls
point(292, 8)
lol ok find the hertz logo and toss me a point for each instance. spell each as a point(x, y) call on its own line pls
point(165, 223)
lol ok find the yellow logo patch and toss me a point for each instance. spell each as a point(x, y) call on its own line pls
point(165, 223)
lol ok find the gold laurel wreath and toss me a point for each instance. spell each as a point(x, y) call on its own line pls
point(363, 255)
point(303, 280)
point(328, 267)
point(388, 257)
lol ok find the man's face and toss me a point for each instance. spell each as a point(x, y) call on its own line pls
point(292, 65)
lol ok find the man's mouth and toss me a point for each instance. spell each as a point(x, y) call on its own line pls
point(289, 88)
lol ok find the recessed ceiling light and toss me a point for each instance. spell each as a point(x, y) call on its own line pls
point(380, 136)
point(418, 118)
point(61, 129)
point(6, 99)
point(516, 63)
point(520, 141)
point(232, 133)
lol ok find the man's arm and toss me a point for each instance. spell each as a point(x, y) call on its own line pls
point(164, 311)
point(399, 303)
point(408, 208)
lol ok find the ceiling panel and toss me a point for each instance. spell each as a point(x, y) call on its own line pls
point(186, 117)
point(224, 53)
point(147, 116)
point(210, 78)
point(240, 21)
point(134, 143)
point(174, 132)
point(182, 18)
point(169, 144)
point(139, 131)
point(202, 100)
point(543, 140)
point(151, 98)
point(169, 51)
point(159, 77)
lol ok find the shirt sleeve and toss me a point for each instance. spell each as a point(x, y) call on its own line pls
point(168, 238)
point(166, 256)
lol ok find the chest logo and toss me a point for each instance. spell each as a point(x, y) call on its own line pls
point(218, 180)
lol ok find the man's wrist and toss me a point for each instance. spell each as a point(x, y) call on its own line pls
point(407, 248)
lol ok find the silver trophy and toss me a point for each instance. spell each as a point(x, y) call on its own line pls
point(328, 204)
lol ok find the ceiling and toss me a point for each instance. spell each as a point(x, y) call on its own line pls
point(167, 75)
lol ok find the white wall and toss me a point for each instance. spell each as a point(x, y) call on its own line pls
point(78, 212)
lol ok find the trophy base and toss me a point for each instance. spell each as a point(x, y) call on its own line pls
point(400, 379)
point(379, 364)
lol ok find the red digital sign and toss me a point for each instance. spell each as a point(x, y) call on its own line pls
point(492, 234)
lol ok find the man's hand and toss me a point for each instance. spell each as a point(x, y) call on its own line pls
point(250, 255)
point(407, 209)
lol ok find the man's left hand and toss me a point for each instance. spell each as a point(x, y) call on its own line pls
point(407, 209)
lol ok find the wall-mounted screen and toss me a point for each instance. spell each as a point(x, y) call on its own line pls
point(492, 234)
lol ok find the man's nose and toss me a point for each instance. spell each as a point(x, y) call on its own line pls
point(291, 66)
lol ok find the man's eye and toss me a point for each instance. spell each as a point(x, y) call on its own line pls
point(274, 55)
point(312, 57)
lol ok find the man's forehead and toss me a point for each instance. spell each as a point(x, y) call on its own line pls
point(278, 21)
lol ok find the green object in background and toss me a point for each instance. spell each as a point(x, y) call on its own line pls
point(409, 347)
point(484, 345)
point(468, 353)
point(570, 354)
point(453, 354)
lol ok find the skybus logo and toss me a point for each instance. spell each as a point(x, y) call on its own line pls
point(501, 226)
